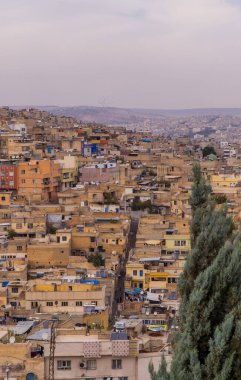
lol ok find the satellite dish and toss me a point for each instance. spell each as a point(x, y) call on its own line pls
point(12, 339)
point(45, 336)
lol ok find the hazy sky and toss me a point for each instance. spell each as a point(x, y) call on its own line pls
point(131, 53)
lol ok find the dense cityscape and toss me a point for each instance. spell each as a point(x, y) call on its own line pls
point(95, 233)
point(120, 190)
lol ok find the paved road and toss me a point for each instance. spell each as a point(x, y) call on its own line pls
point(119, 290)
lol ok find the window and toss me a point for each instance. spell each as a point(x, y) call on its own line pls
point(63, 364)
point(141, 273)
point(14, 290)
point(49, 303)
point(183, 243)
point(177, 243)
point(11, 174)
point(22, 171)
point(78, 303)
point(19, 248)
point(123, 378)
point(3, 198)
point(134, 272)
point(64, 238)
point(91, 364)
point(33, 181)
point(92, 239)
point(30, 225)
point(64, 303)
point(19, 225)
point(23, 181)
point(116, 364)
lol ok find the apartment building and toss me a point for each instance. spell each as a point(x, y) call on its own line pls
point(39, 180)
point(65, 297)
point(8, 175)
point(88, 357)
point(69, 171)
point(46, 253)
point(28, 224)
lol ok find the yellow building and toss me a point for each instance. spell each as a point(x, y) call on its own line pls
point(5, 198)
point(224, 180)
point(158, 281)
point(48, 254)
point(26, 223)
point(84, 240)
point(66, 297)
point(19, 147)
point(16, 362)
point(176, 243)
point(137, 273)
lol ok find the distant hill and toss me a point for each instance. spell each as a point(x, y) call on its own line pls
point(114, 115)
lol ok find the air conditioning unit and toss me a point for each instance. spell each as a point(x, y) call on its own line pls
point(82, 364)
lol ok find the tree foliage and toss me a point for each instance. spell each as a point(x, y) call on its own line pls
point(209, 341)
point(96, 259)
point(161, 373)
point(209, 291)
point(137, 205)
point(220, 198)
point(207, 150)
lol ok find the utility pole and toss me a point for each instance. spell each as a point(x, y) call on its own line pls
point(52, 349)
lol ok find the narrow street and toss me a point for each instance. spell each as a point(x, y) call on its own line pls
point(119, 289)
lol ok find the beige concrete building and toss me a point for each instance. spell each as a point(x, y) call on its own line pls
point(17, 362)
point(61, 298)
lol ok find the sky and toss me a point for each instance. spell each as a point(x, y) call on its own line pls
point(162, 54)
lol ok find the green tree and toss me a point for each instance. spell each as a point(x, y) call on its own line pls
point(208, 346)
point(208, 290)
point(209, 229)
point(161, 373)
point(198, 200)
point(215, 228)
point(96, 259)
point(212, 329)
point(52, 230)
point(11, 234)
point(207, 150)
point(137, 205)
point(220, 198)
